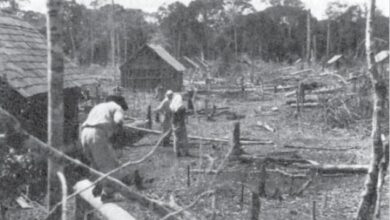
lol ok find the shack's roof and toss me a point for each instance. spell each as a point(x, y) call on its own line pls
point(335, 58)
point(193, 63)
point(168, 58)
point(381, 56)
point(23, 59)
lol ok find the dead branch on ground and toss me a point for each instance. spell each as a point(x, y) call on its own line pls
point(319, 148)
point(174, 204)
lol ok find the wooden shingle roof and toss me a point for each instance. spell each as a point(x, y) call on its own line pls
point(168, 58)
point(23, 59)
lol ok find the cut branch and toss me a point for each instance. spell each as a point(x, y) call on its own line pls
point(174, 204)
point(110, 211)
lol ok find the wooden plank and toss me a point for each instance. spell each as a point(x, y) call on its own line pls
point(263, 142)
point(110, 211)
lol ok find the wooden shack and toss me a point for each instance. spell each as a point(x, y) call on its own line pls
point(150, 67)
point(23, 79)
point(382, 60)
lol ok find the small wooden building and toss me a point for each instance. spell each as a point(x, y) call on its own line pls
point(382, 60)
point(150, 67)
point(23, 79)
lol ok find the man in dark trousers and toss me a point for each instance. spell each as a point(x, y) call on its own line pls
point(164, 108)
point(103, 121)
point(180, 138)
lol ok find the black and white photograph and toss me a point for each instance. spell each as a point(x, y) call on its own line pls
point(194, 109)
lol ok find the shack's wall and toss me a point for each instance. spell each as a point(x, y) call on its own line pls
point(32, 111)
point(147, 70)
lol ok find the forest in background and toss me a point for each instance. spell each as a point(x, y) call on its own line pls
point(219, 30)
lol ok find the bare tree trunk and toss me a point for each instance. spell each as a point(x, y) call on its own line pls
point(235, 42)
point(315, 48)
point(55, 99)
point(328, 39)
point(92, 47)
point(118, 47)
point(112, 40)
point(368, 204)
point(125, 48)
point(74, 52)
point(308, 38)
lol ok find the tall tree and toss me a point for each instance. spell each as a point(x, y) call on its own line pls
point(368, 203)
point(55, 98)
point(235, 9)
point(308, 37)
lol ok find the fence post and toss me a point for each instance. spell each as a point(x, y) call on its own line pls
point(149, 117)
point(255, 210)
point(237, 150)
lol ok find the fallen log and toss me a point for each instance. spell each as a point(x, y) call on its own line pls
point(277, 159)
point(309, 164)
point(301, 71)
point(109, 211)
point(285, 88)
point(278, 171)
point(306, 105)
point(150, 131)
point(204, 111)
point(326, 90)
point(340, 168)
point(319, 148)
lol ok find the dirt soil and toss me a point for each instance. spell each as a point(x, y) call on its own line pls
point(336, 197)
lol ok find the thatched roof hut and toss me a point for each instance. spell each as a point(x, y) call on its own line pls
point(23, 78)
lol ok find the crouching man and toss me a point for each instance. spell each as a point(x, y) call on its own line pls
point(101, 124)
point(180, 139)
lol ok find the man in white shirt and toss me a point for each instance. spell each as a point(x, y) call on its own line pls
point(180, 139)
point(164, 108)
point(103, 121)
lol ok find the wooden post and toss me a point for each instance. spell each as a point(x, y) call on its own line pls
point(213, 206)
point(157, 117)
point(242, 195)
point(55, 100)
point(263, 179)
point(188, 176)
point(237, 150)
point(308, 37)
point(255, 210)
point(313, 212)
point(149, 117)
point(206, 106)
